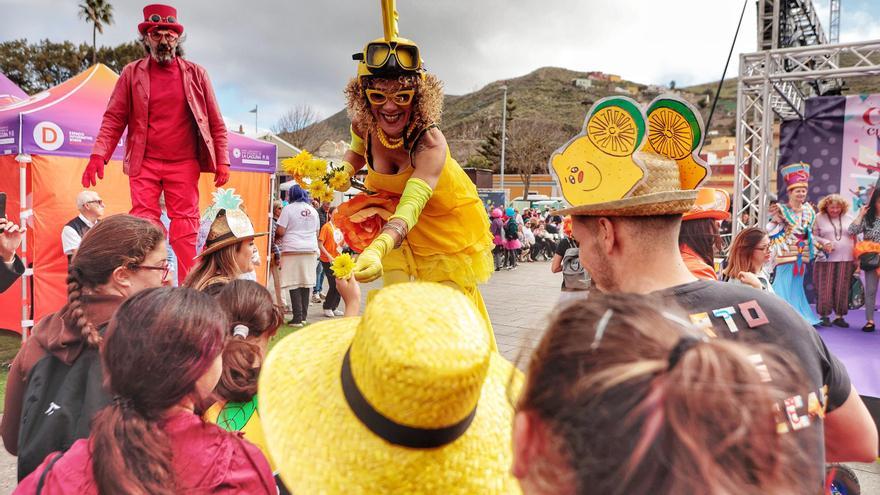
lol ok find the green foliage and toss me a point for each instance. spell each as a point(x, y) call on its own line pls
point(490, 149)
point(39, 66)
point(478, 161)
point(99, 13)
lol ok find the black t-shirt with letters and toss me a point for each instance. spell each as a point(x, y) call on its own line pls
point(743, 313)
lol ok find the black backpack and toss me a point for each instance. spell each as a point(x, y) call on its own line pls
point(511, 230)
point(59, 404)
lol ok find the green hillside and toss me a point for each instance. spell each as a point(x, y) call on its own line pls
point(548, 95)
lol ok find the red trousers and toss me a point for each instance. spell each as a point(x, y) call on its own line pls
point(180, 182)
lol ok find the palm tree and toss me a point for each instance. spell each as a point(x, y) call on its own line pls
point(99, 13)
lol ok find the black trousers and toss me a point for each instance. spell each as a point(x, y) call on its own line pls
point(299, 303)
point(331, 302)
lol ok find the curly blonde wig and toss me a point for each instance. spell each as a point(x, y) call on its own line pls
point(428, 102)
point(833, 198)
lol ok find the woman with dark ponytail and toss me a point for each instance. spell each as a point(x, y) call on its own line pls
point(253, 320)
point(624, 397)
point(119, 257)
point(162, 358)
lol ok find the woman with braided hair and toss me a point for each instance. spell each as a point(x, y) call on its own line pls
point(117, 258)
point(163, 357)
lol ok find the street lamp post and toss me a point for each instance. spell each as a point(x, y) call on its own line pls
point(503, 135)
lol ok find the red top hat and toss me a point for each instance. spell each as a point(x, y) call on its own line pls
point(161, 17)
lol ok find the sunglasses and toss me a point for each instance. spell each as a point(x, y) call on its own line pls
point(157, 36)
point(158, 18)
point(378, 54)
point(402, 98)
point(166, 269)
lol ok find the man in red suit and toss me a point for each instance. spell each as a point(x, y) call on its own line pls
point(175, 132)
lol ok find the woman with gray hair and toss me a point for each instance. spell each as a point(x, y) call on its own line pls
point(833, 270)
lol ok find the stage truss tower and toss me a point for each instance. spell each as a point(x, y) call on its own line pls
point(773, 86)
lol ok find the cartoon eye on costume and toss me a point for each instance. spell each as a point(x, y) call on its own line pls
point(675, 130)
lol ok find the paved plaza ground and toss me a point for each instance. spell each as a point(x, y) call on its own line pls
point(519, 302)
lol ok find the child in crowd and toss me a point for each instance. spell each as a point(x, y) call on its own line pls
point(253, 320)
point(163, 357)
point(117, 258)
point(622, 397)
point(329, 240)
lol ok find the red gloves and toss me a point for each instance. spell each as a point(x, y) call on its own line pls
point(221, 176)
point(93, 169)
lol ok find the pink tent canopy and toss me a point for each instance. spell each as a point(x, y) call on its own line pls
point(9, 92)
point(65, 120)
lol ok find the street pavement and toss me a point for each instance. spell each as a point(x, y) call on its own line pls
point(520, 303)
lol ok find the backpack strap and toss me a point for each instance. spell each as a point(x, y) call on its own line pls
point(46, 472)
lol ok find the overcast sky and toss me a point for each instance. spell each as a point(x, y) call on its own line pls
point(283, 53)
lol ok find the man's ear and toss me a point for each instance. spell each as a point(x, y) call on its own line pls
point(528, 443)
point(607, 234)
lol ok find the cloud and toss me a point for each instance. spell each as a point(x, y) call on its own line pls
point(280, 53)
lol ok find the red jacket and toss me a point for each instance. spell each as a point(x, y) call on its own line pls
point(128, 107)
point(205, 458)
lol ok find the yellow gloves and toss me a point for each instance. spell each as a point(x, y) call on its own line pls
point(368, 266)
point(342, 182)
point(357, 143)
point(415, 196)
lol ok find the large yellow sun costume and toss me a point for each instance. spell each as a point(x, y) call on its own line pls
point(433, 226)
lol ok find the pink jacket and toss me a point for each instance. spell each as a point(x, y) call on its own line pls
point(206, 460)
point(128, 107)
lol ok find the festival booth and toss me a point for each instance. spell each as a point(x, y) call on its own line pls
point(45, 143)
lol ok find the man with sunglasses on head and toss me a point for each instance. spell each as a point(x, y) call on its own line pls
point(91, 209)
point(175, 132)
point(438, 231)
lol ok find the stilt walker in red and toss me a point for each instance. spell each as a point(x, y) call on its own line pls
point(175, 132)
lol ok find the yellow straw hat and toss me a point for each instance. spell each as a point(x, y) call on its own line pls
point(627, 163)
point(406, 399)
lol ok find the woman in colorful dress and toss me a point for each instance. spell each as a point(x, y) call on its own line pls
point(833, 270)
point(791, 240)
point(434, 226)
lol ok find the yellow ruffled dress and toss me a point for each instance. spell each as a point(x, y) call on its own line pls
point(450, 243)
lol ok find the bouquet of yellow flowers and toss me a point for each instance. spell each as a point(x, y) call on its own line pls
point(315, 175)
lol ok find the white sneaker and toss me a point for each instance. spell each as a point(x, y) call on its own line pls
point(338, 313)
point(298, 325)
point(329, 313)
point(316, 298)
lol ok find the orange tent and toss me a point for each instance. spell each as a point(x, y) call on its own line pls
point(45, 142)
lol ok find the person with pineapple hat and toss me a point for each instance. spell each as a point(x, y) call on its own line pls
point(435, 228)
point(175, 132)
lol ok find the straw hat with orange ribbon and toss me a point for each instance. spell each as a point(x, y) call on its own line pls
point(711, 203)
point(629, 163)
point(408, 398)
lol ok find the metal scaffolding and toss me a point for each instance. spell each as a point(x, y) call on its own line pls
point(773, 86)
point(834, 24)
point(788, 23)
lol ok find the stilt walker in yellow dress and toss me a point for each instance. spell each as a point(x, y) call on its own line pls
point(435, 227)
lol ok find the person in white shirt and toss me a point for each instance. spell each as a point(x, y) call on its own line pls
point(91, 209)
point(297, 227)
